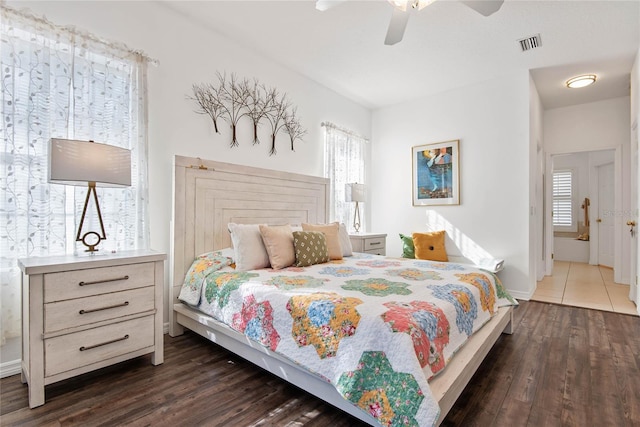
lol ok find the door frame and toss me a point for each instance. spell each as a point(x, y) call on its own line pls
point(634, 172)
point(548, 230)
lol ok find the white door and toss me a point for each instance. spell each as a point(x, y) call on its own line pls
point(606, 210)
point(634, 290)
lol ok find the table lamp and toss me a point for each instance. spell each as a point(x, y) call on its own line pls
point(355, 192)
point(73, 162)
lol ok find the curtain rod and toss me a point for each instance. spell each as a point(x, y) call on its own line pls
point(28, 14)
point(345, 130)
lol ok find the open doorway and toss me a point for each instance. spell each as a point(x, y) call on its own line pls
point(582, 201)
point(582, 240)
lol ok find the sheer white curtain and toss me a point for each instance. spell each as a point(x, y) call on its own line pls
point(343, 163)
point(63, 83)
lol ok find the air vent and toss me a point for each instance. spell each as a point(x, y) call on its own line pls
point(530, 42)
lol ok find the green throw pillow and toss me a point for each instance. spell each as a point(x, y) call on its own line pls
point(310, 248)
point(408, 250)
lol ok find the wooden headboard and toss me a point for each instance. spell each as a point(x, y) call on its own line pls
point(207, 195)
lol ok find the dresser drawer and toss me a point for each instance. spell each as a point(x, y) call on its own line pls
point(83, 283)
point(374, 243)
point(71, 351)
point(83, 311)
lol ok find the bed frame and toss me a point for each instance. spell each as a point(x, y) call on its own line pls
point(207, 196)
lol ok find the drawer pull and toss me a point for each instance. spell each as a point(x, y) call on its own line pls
point(83, 348)
point(124, 304)
point(103, 281)
point(375, 243)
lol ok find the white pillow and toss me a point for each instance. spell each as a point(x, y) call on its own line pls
point(249, 249)
point(345, 241)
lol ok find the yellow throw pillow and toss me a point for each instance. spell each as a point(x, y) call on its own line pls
point(331, 233)
point(430, 246)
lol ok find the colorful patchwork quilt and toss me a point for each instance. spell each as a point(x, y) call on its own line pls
point(376, 328)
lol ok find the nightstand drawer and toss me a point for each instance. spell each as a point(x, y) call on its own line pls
point(83, 311)
point(88, 282)
point(71, 351)
point(375, 243)
point(369, 243)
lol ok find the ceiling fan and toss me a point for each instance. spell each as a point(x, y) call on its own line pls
point(403, 8)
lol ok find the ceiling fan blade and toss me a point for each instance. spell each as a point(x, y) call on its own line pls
point(484, 7)
point(397, 26)
point(323, 5)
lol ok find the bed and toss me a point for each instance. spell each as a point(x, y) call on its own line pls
point(209, 195)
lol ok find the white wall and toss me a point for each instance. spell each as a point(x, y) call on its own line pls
point(591, 127)
point(491, 122)
point(188, 54)
point(587, 127)
point(536, 182)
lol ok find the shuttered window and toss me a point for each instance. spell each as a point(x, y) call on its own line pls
point(563, 199)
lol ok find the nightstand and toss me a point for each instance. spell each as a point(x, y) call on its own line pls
point(81, 313)
point(370, 243)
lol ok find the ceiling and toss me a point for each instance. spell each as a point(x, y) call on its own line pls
point(446, 45)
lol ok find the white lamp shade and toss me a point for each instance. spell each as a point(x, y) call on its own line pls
point(74, 162)
point(355, 192)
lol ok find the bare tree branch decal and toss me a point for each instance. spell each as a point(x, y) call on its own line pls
point(207, 97)
point(278, 106)
point(256, 105)
point(293, 127)
point(233, 99)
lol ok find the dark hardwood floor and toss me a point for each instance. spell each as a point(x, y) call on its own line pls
point(563, 366)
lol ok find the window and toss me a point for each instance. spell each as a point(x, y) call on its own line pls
point(58, 82)
point(344, 163)
point(563, 218)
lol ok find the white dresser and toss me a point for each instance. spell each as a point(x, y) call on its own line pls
point(84, 313)
point(370, 243)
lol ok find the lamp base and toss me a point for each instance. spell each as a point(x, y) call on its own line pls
point(91, 239)
point(356, 218)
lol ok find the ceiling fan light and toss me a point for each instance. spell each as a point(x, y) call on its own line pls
point(581, 81)
point(399, 4)
point(403, 5)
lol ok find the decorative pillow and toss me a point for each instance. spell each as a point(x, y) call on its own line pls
point(430, 246)
point(330, 232)
point(310, 248)
point(250, 252)
point(408, 250)
point(278, 240)
point(345, 241)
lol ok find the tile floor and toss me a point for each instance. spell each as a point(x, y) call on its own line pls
point(584, 285)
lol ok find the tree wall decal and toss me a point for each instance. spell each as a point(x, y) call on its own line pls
point(207, 97)
point(256, 105)
point(231, 99)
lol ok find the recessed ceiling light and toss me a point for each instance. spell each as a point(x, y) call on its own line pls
point(581, 81)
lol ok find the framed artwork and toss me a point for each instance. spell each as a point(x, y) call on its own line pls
point(436, 173)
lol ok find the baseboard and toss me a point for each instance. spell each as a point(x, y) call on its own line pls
point(10, 368)
point(520, 295)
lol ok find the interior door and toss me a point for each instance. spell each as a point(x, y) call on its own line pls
point(633, 218)
point(606, 210)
